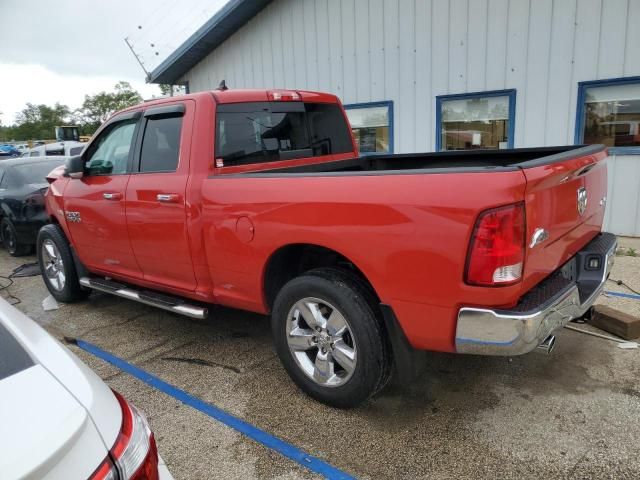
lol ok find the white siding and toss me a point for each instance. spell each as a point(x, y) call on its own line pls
point(409, 51)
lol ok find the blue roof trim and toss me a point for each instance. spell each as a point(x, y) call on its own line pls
point(221, 26)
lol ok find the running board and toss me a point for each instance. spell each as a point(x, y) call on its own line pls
point(148, 297)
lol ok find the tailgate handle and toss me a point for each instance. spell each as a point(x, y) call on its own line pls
point(586, 169)
point(168, 197)
point(112, 196)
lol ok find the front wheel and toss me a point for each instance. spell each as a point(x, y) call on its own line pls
point(57, 266)
point(329, 337)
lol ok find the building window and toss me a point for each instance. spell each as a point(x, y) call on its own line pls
point(482, 120)
point(372, 126)
point(609, 113)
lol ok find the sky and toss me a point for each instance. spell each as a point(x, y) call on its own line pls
point(62, 50)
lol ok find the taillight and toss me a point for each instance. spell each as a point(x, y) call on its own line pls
point(283, 96)
point(496, 250)
point(134, 455)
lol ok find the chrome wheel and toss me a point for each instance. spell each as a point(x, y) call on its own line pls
point(53, 266)
point(320, 339)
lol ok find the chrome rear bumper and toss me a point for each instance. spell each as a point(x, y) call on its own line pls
point(573, 289)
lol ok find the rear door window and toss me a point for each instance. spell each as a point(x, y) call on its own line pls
point(270, 131)
point(161, 144)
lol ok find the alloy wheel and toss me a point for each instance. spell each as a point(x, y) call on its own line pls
point(53, 265)
point(321, 341)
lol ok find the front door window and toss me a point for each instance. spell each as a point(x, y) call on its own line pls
point(109, 153)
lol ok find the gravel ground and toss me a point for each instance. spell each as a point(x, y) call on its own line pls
point(573, 414)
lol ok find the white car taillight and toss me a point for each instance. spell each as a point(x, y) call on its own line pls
point(134, 455)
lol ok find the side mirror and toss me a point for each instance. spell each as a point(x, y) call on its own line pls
point(74, 167)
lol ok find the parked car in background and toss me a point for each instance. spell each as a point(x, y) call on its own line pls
point(56, 149)
point(22, 212)
point(59, 419)
point(22, 148)
point(9, 151)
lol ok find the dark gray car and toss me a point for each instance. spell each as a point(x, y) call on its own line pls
point(22, 212)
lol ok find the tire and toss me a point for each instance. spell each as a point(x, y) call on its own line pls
point(339, 369)
point(55, 258)
point(10, 240)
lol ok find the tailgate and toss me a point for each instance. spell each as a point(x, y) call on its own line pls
point(565, 197)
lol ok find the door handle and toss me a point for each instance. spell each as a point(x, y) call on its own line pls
point(168, 197)
point(112, 196)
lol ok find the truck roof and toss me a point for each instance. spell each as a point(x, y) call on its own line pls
point(244, 95)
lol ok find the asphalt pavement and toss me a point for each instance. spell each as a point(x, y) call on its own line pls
point(573, 414)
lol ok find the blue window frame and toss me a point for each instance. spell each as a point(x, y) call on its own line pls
point(608, 112)
point(372, 126)
point(480, 120)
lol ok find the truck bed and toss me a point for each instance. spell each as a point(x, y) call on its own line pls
point(441, 162)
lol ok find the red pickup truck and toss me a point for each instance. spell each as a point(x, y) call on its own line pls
point(259, 200)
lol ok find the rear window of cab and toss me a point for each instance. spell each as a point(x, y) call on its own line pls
point(261, 132)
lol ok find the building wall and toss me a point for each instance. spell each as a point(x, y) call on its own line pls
point(410, 51)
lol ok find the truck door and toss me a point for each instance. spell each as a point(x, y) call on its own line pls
point(156, 196)
point(94, 204)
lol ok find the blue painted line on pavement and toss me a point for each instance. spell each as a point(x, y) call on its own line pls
point(623, 295)
point(286, 449)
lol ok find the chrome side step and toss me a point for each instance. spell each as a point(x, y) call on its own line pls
point(148, 297)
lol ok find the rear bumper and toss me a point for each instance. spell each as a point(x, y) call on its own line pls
point(566, 294)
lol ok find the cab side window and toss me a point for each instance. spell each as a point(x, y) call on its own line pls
point(109, 153)
point(161, 144)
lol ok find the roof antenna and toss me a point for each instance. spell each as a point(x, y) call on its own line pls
point(223, 86)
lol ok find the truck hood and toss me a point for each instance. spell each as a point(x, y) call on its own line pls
point(65, 370)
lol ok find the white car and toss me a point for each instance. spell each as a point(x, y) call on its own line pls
point(60, 149)
point(58, 419)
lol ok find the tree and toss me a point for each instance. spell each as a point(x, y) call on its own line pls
point(171, 90)
point(39, 121)
point(99, 107)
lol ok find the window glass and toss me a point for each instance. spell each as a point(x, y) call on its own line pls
point(54, 150)
point(34, 153)
point(328, 129)
point(76, 151)
point(612, 115)
point(9, 180)
point(370, 127)
point(270, 131)
point(37, 172)
point(474, 123)
point(109, 153)
point(161, 144)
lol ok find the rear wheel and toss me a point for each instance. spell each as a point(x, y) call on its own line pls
point(57, 266)
point(330, 338)
point(10, 239)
